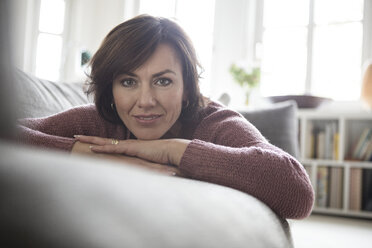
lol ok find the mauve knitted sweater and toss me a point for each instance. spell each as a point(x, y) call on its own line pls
point(225, 149)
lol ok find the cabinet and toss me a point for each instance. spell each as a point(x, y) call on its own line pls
point(342, 181)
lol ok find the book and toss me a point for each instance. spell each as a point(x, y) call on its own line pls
point(367, 190)
point(364, 146)
point(321, 149)
point(322, 187)
point(355, 191)
point(308, 170)
point(336, 187)
point(309, 147)
point(329, 142)
point(336, 149)
point(363, 139)
point(315, 142)
point(368, 153)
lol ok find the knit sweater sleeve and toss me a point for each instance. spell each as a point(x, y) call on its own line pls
point(227, 150)
point(57, 131)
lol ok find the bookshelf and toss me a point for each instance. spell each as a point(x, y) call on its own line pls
point(334, 149)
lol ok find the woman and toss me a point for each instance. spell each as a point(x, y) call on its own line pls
point(144, 79)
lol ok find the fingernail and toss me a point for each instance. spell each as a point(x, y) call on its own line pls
point(90, 147)
point(76, 136)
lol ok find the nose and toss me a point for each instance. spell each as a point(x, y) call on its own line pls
point(146, 98)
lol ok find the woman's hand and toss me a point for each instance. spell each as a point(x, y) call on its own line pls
point(82, 148)
point(85, 148)
point(168, 151)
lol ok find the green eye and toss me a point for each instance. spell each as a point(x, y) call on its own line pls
point(163, 82)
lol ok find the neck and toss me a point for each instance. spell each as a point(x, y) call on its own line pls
point(174, 131)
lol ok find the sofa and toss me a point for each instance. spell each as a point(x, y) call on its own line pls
point(54, 199)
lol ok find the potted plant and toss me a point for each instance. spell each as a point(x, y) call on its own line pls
point(248, 78)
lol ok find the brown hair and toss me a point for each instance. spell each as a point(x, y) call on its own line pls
point(127, 47)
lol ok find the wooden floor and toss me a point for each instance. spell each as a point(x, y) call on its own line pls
point(323, 231)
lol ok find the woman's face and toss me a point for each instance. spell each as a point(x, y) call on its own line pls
point(149, 99)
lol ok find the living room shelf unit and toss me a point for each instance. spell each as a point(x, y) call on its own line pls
point(328, 141)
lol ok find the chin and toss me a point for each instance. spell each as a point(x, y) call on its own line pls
point(148, 136)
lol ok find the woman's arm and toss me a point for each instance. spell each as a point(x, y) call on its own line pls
point(29, 136)
point(230, 151)
point(57, 131)
point(262, 170)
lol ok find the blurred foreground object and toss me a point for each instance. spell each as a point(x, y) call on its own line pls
point(7, 102)
point(366, 93)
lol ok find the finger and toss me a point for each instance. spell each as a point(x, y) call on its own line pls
point(118, 149)
point(93, 140)
point(126, 147)
point(87, 139)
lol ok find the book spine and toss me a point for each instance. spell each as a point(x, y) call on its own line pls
point(355, 193)
point(309, 152)
point(364, 145)
point(315, 142)
point(368, 153)
point(336, 188)
point(321, 153)
point(359, 144)
point(336, 149)
point(322, 187)
point(328, 142)
point(367, 190)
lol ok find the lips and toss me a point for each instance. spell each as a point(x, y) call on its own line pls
point(147, 119)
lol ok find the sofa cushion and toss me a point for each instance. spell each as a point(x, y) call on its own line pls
point(278, 124)
point(38, 97)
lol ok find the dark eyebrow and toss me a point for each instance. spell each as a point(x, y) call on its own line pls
point(129, 74)
point(163, 72)
point(158, 74)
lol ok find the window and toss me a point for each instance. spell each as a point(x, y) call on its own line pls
point(50, 39)
point(197, 19)
point(313, 47)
